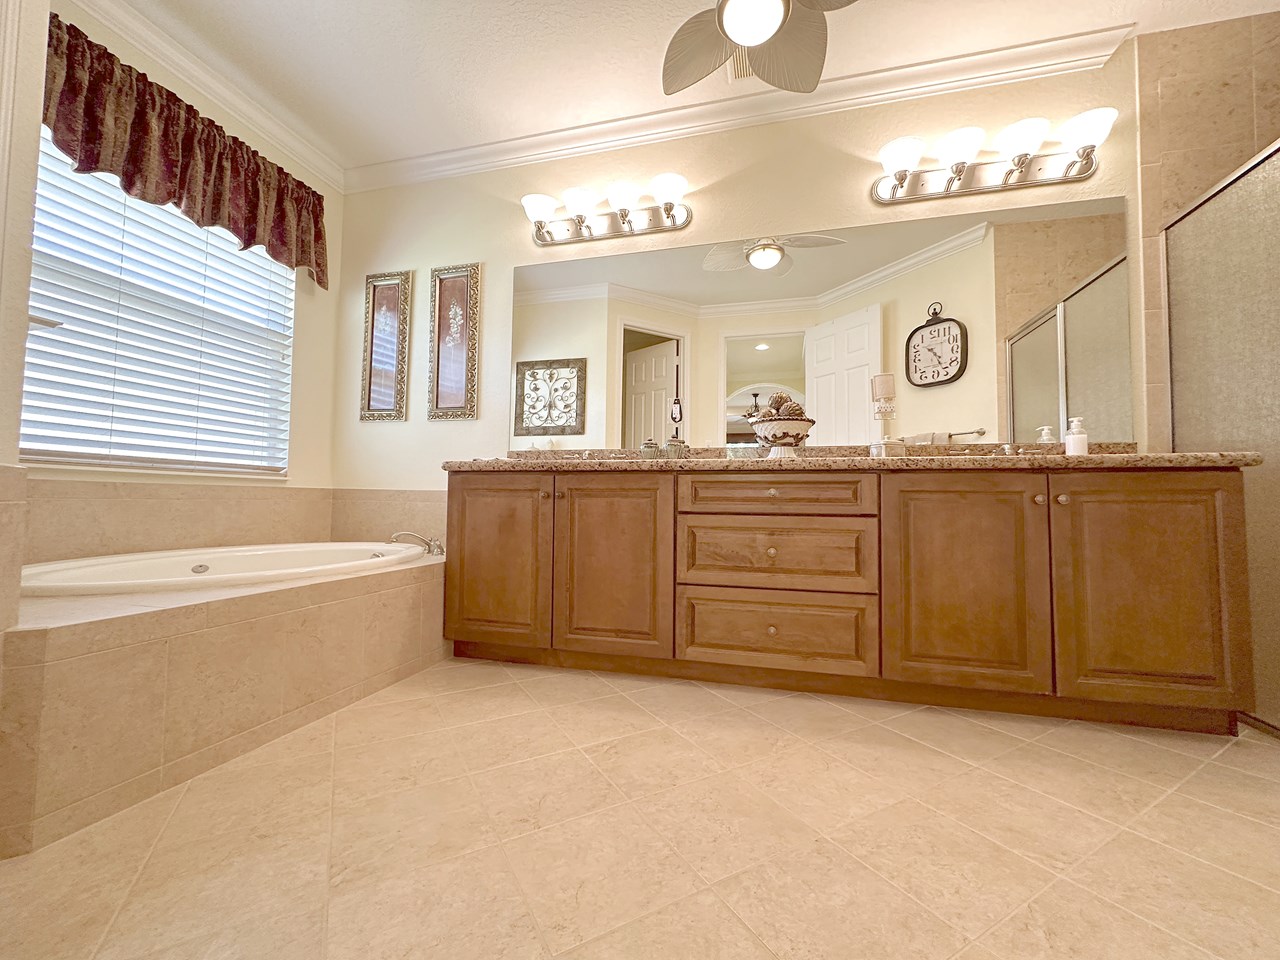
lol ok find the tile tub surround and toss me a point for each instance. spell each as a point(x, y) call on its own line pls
point(376, 514)
point(13, 521)
point(606, 816)
point(109, 700)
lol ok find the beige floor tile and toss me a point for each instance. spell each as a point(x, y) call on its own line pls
point(744, 696)
point(808, 717)
point(629, 682)
point(648, 762)
point(899, 761)
point(1102, 746)
point(737, 736)
point(190, 891)
point(1203, 745)
point(468, 908)
point(1224, 914)
point(312, 740)
point(526, 671)
point(700, 927)
point(819, 902)
point(265, 797)
point(294, 937)
point(399, 764)
point(434, 683)
point(1045, 831)
point(822, 791)
point(407, 829)
point(56, 903)
point(1097, 790)
point(1233, 790)
point(1235, 843)
point(526, 796)
point(1015, 724)
point(590, 875)
point(873, 710)
point(723, 824)
point(954, 734)
point(1067, 923)
point(358, 725)
point(569, 686)
point(593, 721)
point(966, 879)
point(484, 703)
point(975, 952)
point(674, 702)
point(1258, 757)
point(493, 743)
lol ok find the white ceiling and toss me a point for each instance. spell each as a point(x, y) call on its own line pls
point(375, 82)
point(783, 361)
point(676, 273)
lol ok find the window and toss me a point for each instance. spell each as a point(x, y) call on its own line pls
point(154, 342)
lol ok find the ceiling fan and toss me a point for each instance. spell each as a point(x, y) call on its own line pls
point(785, 40)
point(764, 253)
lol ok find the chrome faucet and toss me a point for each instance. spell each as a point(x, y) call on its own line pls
point(432, 545)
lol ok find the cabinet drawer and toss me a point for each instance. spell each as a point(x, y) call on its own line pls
point(786, 630)
point(801, 553)
point(829, 494)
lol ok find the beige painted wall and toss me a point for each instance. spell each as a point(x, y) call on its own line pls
point(796, 176)
point(569, 330)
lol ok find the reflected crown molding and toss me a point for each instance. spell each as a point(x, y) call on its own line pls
point(752, 308)
point(1047, 58)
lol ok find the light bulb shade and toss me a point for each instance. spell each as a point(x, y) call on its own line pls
point(882, 387)
point(539, 207)
point(1025, 137)
point(750, 23)
point(761, 347)
point(764, 256)
point(580, 202)
point(902, 154)
point(624, 195)
point(1089, 129)
point(960, 146)
point(669, 188)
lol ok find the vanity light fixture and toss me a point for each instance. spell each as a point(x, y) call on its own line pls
point(628, 213)
point(1021, 163)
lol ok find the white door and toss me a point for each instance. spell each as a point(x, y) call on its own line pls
point(840, 358)
point(650, 388)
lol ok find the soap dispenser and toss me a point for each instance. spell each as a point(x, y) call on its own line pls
point(1046, 436)
point(1077, 439)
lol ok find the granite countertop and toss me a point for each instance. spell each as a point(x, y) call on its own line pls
point(1091, 461)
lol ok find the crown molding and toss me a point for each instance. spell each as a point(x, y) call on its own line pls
point(921, 258)
point(759, 308)
point(643, 298)
point(174, 57)
point(1085, 51)
point(589, 291)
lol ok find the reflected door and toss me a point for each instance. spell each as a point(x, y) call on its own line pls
point(651, 384)
point(840, 358)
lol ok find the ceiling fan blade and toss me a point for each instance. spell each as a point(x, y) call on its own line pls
point(696, 51)
point(794, 57)
point(785, 266)
point(826, 6)
point(805, 240)
point(724, 257)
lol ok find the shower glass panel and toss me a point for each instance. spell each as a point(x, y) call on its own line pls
point(1035, 384)
point(1095, 322)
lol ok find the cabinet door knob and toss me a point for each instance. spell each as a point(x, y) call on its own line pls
point(773, 492)
point(1041, 499)
point(559, 494)
point(1063, 499)
point(544, 495)
point(771, 552)
point(772, 631)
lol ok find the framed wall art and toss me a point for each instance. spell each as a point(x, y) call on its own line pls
point(455, 340)
point(551, 398)
point(384, 379)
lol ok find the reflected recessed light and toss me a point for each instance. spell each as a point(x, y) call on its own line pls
point(762, 346)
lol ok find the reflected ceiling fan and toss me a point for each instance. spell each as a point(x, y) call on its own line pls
point(764, 253)
point(785, 40)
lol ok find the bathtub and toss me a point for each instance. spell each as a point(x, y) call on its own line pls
point(210, 567)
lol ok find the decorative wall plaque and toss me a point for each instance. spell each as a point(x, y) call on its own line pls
point(551, 398)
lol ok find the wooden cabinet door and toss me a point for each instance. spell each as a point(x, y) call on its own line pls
point(498, 567)
point(1151, 589)
point(614, 556)
point(965, 588)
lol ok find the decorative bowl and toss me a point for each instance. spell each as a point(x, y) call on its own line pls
point(781, 435)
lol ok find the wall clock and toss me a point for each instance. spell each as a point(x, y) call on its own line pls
point(937, 351)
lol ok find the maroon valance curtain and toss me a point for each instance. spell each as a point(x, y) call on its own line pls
point(108, 117)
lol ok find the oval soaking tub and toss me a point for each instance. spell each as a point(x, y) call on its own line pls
point(211, 567)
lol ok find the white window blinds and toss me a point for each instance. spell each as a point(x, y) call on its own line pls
point(154, 342)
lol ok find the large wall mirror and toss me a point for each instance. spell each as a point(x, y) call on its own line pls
point(703, 325)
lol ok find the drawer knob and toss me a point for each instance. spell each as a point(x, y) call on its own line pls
point(771, 552)
point(773, 492)
point(1041, 499)
point(772, 631)
point(544, 495)
point(1063, 499)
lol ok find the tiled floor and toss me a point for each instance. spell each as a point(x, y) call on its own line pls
point(486, 812)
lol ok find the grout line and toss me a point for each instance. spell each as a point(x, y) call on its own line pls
point(328, 860)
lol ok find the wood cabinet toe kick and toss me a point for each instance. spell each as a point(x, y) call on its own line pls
point(1120, 596)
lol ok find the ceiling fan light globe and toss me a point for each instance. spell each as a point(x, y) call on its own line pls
point(902, 154)
point(750, 23)
point(539, 207)
point(765, 256)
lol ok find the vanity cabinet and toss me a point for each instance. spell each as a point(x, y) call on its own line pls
point(1151, 599)
point(967, 600)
